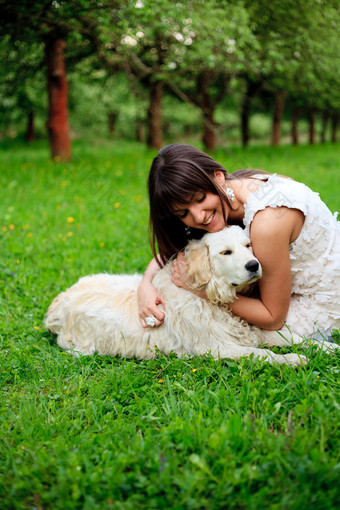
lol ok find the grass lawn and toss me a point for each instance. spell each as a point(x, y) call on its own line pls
point(99, 432)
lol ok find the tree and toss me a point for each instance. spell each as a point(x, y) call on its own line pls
point(47, 23)
point(137, 37)
point(21, 87)
point(297, 41)
point(222, 48)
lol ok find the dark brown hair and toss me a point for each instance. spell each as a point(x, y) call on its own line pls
point(176, 174)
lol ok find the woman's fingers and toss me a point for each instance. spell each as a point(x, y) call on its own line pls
point(153, 316)
point(153, 322)
point(179, 272)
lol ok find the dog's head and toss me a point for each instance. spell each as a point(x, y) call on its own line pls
point(223, 264)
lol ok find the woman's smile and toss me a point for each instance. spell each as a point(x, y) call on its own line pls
point(210, 220)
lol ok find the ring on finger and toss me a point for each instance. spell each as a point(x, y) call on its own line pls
point(150, 321)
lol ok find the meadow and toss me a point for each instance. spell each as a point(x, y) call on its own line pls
point(100, 432)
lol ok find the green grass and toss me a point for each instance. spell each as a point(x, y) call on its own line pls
point(99, 432)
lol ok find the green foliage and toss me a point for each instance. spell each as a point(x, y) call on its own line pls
point(99, 432)
point(281, 45)
point(298, 43)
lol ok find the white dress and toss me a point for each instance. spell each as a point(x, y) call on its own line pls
point(314, 309)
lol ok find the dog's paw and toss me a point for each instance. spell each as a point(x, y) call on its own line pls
point(296, 359)
point(323, 345)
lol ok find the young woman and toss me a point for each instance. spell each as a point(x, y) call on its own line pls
point(293, 234)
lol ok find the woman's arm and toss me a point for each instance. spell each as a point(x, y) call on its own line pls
point(272, 231)
point(149, 298)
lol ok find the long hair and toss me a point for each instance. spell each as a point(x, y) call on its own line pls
point(177, 173)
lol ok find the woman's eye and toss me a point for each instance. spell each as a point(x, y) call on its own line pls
point(200, 197)
point(226, 252)
point(182, 214)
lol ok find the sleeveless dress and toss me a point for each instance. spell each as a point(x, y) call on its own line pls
point(314, 309)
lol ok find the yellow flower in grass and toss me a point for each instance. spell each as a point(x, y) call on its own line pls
point(70, 219)
point(70, 234)
point(4, 229)
point(29, 234)
point(116, 205)
point(12, 227)
point(102, 245)
point(36, 327)
point(160, 381)
point(194, 370)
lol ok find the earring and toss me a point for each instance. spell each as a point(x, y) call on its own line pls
point(230, 194)
point(187, 230)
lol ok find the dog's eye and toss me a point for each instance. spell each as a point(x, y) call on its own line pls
point(248, 245)
point(226, 252)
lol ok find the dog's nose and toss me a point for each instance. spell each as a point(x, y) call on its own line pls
point(252, 266)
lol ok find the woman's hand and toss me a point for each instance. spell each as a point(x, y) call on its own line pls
point(149, 300)
point(179, 272)
point(180, 276)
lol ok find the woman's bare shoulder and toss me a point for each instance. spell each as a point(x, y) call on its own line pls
point(277, 222)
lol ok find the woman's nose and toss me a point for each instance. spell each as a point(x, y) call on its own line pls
point(197, 213)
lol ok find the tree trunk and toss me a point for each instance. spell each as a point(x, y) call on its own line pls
point(140, 129)
point(30, 133)
point(112, 117)
point(154, 137)
point(209, 129)
point(245, 114)
point(57, 124)
point(335, 124)
point(280, 99)
point(312, 127)
point(324, 124)
point(252, 88)
point(295, 120)
point(207, 106)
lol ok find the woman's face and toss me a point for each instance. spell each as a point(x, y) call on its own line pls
point(205, 210)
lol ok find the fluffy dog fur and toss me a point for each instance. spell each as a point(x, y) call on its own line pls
point(100, 312)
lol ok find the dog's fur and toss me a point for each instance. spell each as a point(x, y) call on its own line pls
point(100, 312)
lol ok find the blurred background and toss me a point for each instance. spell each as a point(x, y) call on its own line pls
point(210, 72)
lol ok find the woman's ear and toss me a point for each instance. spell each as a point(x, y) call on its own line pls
point(199, 270)
point(220, 177)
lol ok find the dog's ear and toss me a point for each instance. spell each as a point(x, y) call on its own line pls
point(199, 270)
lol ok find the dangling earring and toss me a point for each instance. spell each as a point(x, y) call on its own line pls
point(187, 230)
point(230, 194)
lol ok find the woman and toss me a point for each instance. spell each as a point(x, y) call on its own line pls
point(293, 234)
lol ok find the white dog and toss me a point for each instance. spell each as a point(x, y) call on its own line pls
point(100, 312)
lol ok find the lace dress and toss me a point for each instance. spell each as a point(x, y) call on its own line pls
point(314, 309)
